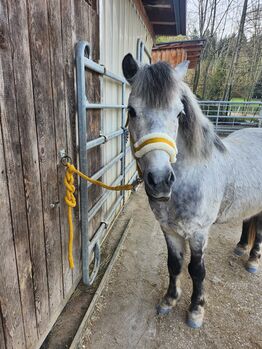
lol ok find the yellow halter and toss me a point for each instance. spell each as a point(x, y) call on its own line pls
point(155, 141)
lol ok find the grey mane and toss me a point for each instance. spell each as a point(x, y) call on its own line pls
point(155, 84)
point(195, 128)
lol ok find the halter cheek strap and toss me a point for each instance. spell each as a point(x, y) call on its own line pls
point(156, 141)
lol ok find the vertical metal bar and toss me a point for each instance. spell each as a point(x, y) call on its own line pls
point(218, 111)
point(81, 49)
point(123, 140)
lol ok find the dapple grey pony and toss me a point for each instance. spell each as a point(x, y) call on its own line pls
point(212, 181)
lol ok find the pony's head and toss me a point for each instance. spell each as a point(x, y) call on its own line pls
point(162, 108)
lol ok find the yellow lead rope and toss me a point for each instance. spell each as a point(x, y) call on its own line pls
point(71, 200)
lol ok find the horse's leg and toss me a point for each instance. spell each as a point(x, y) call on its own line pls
point(255, 253)
point(197, 272)
point(242, 246)
point(175, 249)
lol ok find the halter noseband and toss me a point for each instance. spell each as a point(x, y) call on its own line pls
point(155, 141)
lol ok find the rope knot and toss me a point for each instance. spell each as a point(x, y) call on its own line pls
point(69, 184)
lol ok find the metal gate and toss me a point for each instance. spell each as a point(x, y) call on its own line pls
point(83, 63)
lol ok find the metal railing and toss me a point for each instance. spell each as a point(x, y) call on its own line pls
point(229, 116)
point(83, 63)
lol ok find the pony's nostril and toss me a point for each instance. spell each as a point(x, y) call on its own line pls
point(150, 179)
point(170, 179)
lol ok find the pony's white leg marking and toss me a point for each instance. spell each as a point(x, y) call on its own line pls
point(255, 253)
point(197, 272)
point(175, 248)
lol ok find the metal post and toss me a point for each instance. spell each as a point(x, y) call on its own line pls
point(81, 49)
point(123, 139)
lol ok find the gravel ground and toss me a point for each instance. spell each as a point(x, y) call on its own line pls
point(125, 314)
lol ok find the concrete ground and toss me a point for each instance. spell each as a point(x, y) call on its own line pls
point(125, 315)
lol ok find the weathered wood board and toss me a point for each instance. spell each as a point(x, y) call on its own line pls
point(37, 121)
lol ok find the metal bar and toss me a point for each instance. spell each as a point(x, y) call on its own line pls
point(107, 167)
point(104, 106)
point(81, 48)
point(229, 102)
point(92, 212)
point(93, 66)
point(130, 165)
point(123, 140)
point(103, 139)
point(104, 225)
point(115, 77)
point(100, 69)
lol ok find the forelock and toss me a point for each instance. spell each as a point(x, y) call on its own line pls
point(155, 84)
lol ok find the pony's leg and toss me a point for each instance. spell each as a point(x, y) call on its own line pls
point(242, 247)
point(197, 272)
point(255, 253)
point(175, 249)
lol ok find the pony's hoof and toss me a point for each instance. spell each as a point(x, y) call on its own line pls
point(252, 267)
point(195, 318)
point(251, 270)
point(167, 304)
point(239, 251)
point(193, 324)
point(163, 309)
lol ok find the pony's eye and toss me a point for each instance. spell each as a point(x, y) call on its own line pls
point(131, 112)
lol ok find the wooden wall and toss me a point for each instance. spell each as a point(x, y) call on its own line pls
point(37, 120)
point(172, 56)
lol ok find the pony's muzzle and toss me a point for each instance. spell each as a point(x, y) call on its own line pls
point(159, 183)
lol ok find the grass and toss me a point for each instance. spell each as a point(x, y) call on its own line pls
point(243, 100)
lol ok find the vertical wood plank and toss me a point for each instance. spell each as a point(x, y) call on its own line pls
point(28, 139)
point(2, 336)
point(41, 72)
point(68, 38)
point(57, 70)
point(13, 159)
point(10, 304)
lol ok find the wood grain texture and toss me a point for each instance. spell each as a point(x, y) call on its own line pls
point(38, 119)
point(13, 162)
point(59, 108)
point(42, 87)
point(69, 41)
point(28, 140)
point(2, 336)
point(10, 303)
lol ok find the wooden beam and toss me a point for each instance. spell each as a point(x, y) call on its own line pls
point(141, 10)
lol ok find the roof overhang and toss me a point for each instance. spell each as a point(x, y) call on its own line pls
point(167, 17)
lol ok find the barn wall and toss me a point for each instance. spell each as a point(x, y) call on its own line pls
point(37, 106)
point(37, 120)
point(121, 27)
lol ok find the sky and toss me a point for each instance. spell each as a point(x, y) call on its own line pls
point(229, 21)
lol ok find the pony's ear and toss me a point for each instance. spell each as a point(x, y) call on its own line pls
point(129, 67)
point(181, 70)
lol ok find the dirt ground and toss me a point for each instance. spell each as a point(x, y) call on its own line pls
point(125, 315)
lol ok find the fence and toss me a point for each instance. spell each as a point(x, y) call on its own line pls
point(231, 116)
point(83, 63)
